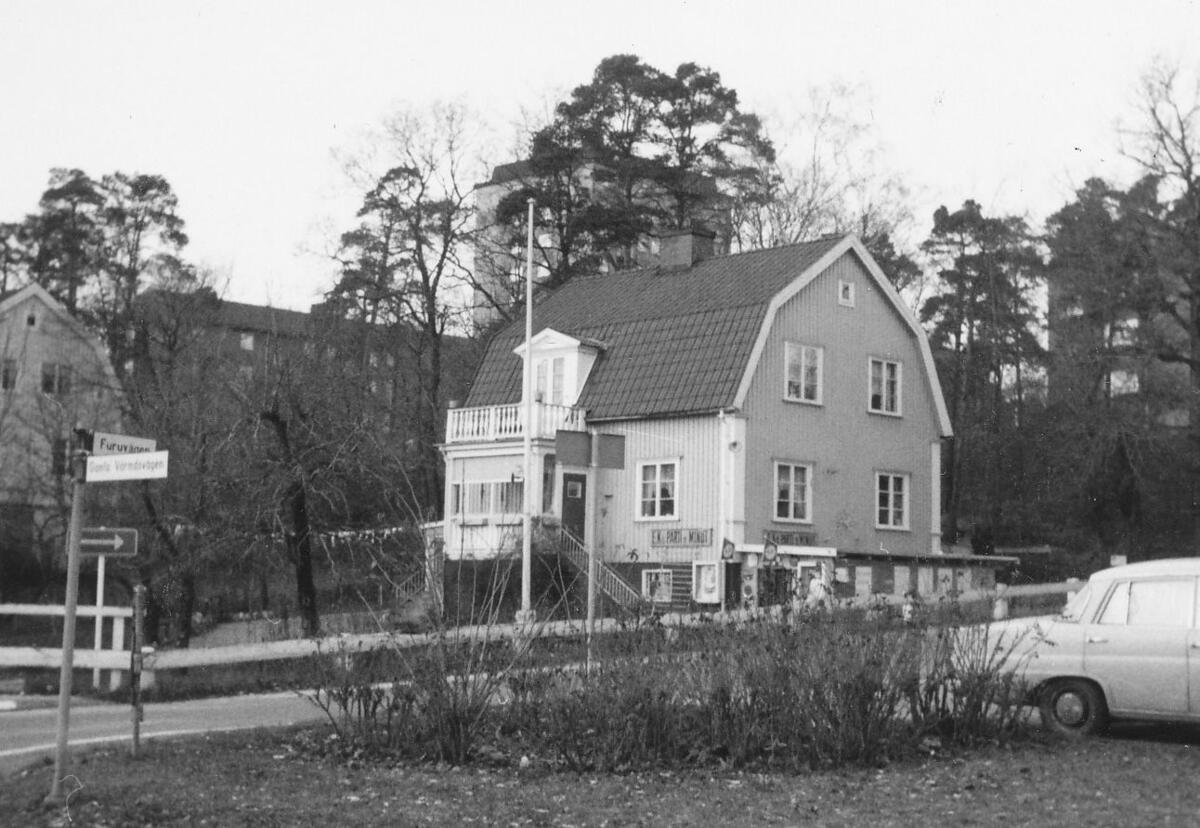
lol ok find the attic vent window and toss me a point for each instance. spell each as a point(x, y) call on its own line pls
point(846, 294)
point(31, 320)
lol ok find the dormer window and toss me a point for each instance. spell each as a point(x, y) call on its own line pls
point(561, 365)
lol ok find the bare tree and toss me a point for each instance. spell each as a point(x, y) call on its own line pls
point(406, 263)
point(1166, 143)
point(828, 177)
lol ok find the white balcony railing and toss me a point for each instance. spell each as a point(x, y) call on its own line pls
point(506, 422)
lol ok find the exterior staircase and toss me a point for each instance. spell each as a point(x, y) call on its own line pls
point(609, 582)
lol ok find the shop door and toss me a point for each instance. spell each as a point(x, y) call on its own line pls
point(574, 504)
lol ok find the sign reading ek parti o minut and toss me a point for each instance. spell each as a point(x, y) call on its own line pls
point(680, 537)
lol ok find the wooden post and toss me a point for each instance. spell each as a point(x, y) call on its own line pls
point(589, 534)
point(135, 665)
point(1000, 607)
point(118, 644)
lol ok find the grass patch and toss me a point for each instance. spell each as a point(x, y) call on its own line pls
point(263, 779)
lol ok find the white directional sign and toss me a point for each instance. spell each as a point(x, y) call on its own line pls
point(139, 466)
point(104, 443)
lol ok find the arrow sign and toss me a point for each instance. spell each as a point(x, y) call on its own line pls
point(115, 543)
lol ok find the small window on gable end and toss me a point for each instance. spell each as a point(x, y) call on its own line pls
point(845, 293)
point(31, 320)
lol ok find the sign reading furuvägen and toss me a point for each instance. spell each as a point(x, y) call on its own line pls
point(105, 443)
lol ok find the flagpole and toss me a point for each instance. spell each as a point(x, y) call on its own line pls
point(526, 613)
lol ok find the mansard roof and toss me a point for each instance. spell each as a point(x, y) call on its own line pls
point(678, 341)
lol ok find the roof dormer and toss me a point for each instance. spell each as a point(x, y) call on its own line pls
point(561, 365)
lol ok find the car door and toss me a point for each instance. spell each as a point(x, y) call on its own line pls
point(1194, 658)
point(1138, 645)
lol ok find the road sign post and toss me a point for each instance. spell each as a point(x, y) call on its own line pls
point(121, 458)
point(74, 530)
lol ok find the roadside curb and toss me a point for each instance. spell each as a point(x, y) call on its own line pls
point(10, 703)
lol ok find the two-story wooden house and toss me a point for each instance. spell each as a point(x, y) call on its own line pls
point(54, 376)
point(718, 429)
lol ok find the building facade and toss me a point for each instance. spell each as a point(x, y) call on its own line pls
point(718, 430)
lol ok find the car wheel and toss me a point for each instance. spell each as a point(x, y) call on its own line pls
point(1073, 707)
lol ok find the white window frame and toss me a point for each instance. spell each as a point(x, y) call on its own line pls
point(666, 584)
point(483, 501)
point(246, 340)
point(897, 399)
point(799, 353)
point(845, 293)
point(792, 466)
point(550, 380)
point(640, 502)
point(889, 492)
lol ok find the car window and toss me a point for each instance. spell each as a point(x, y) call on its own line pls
point(1076, 604)
point(1116, 611)
point(1151, 603)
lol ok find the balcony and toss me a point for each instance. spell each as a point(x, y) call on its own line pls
point(506, 422)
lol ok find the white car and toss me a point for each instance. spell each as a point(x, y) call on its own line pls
point(1127, 646)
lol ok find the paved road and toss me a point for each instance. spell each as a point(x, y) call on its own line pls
point(28, 735)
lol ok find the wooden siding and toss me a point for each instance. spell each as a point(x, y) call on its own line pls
point(844, 443)
point(31, 420)
point(693, 442)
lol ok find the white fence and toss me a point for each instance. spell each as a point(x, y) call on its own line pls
point(115, 658)
point(348, 644)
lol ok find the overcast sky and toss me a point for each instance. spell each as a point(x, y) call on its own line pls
point(242, 104)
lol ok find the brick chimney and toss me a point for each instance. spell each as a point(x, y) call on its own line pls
point(683, 248)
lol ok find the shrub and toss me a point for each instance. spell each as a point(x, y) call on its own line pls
point(818, 692)
point(968, 687)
